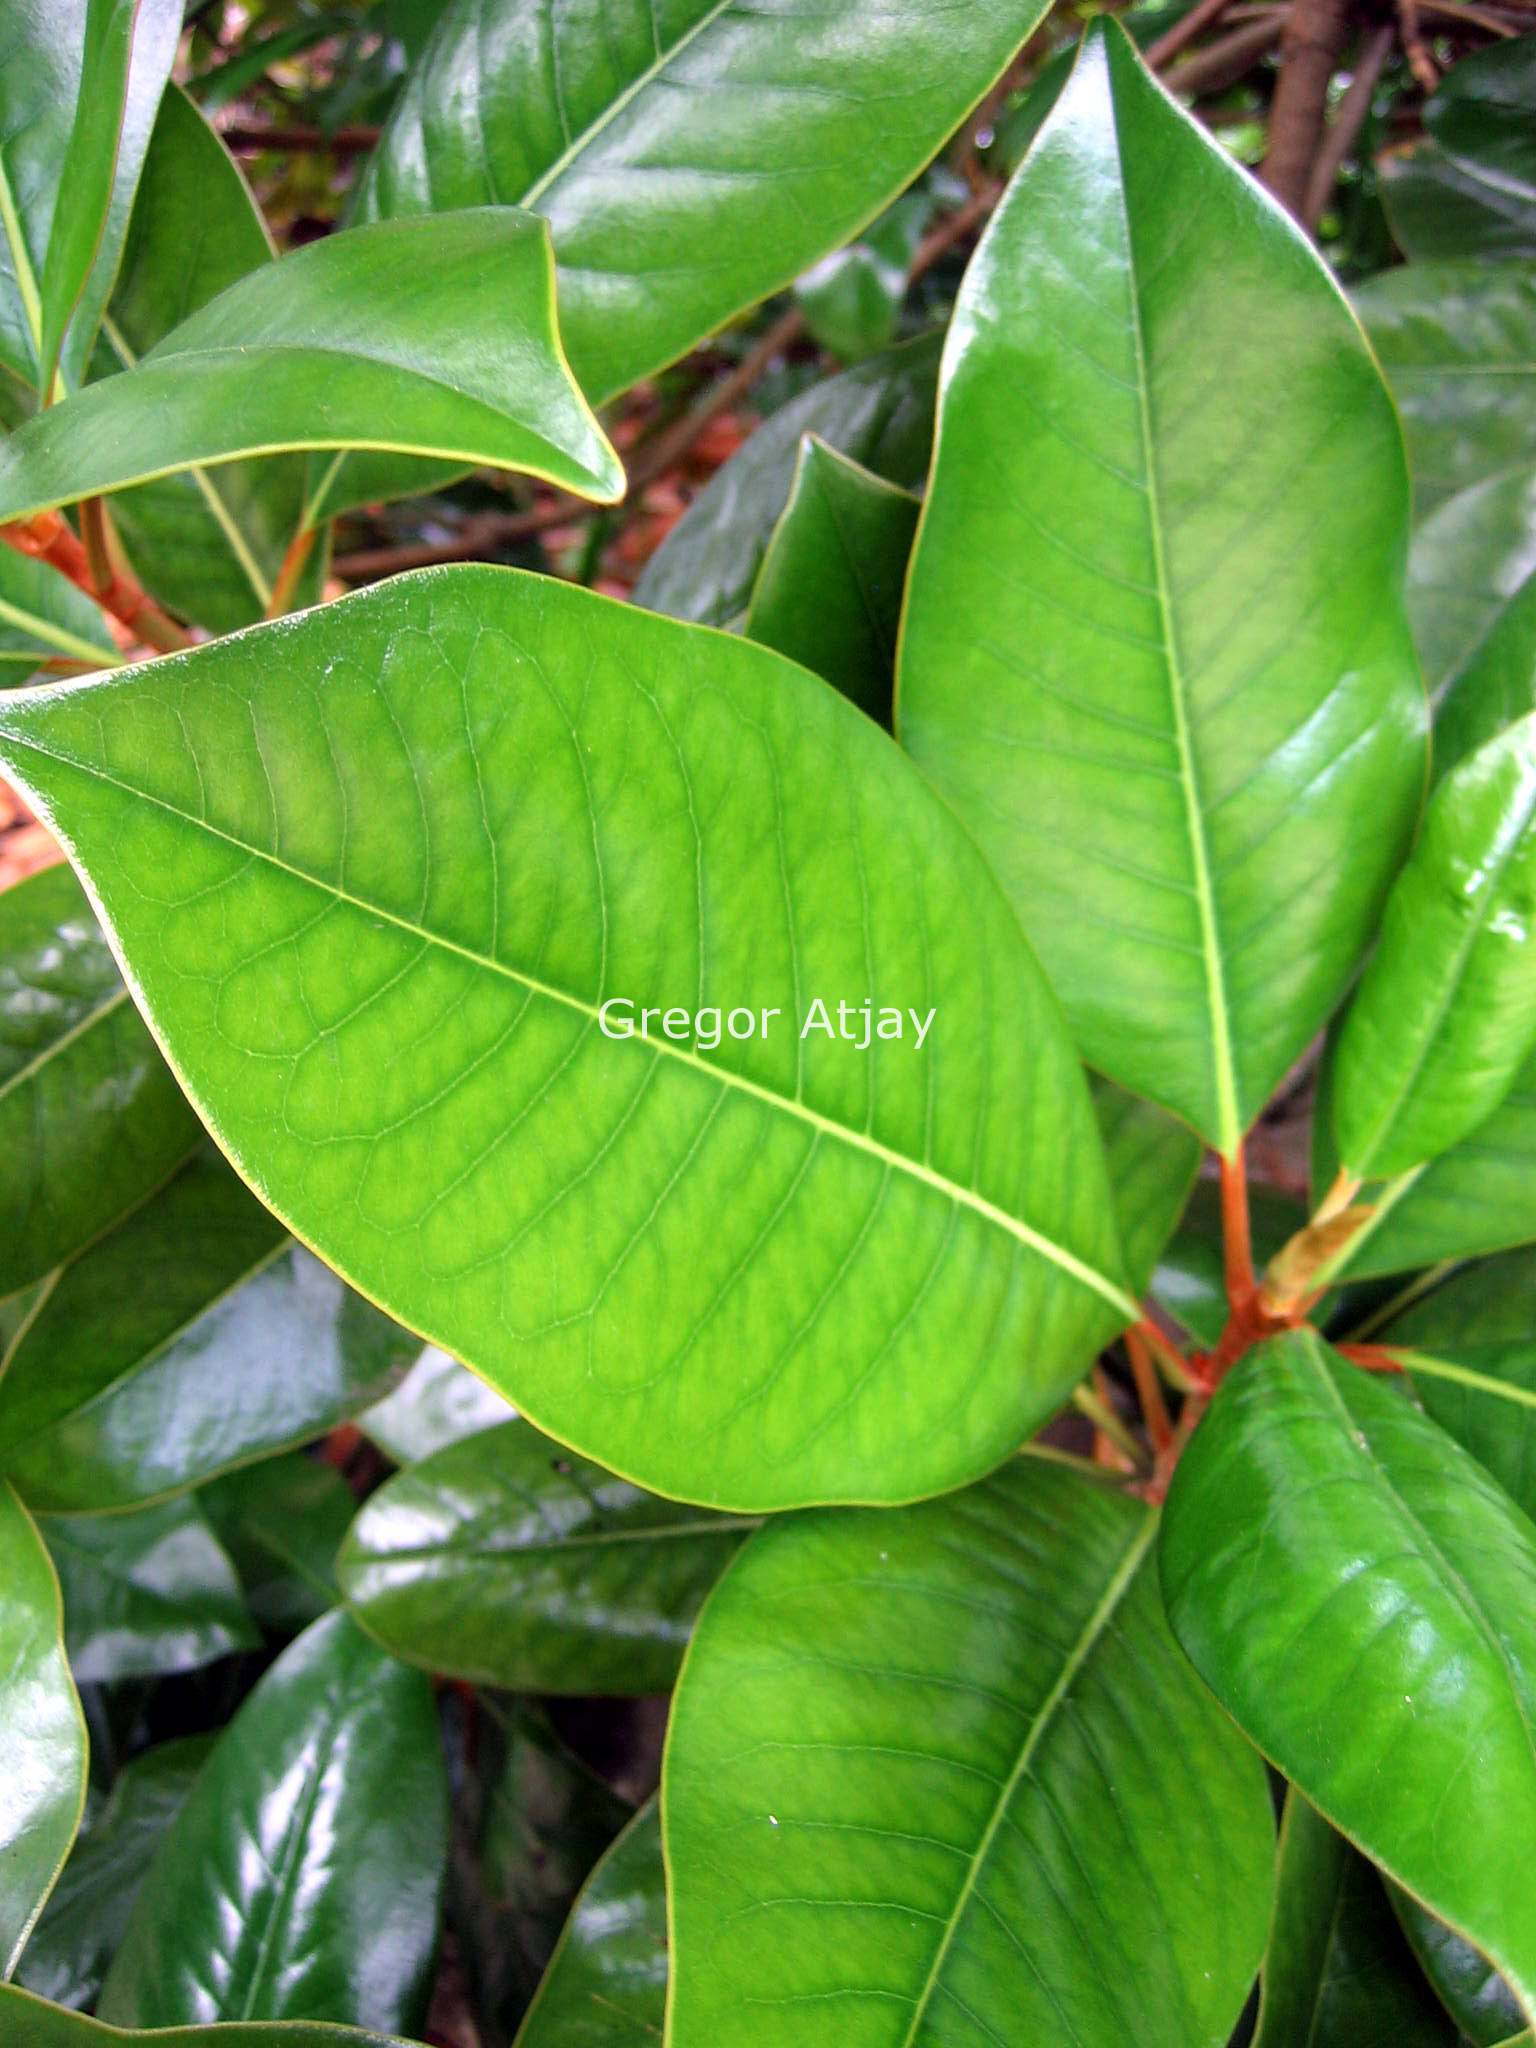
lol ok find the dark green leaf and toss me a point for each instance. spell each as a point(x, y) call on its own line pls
point(1493, 687)
point(194, 1336)
point(606, 1985)
point(83, 1921)
point(1458, 344)
point(145, 1592)
point(438, 1402)
point(380, 868)
point(1361, 1597)
point(283, 1521)
point(1470, 1988)
point(545, 1821)
point(1153, 1160)
point(329, 349)
point(34, 2024)
point(1337, 1972)
point(1469, 558)
point(852, 298)
point(301, 1877)
point(689, 161)
point(1470, 1346)
point(943, 1774)
point(1442, 208)
point(879, 415)
point(42, 1735)
point(44, 617)
point(1444, 1017)
point(506, 1562)
point(76, 109)
point(829, 591)
point(90, 1118)
point(1160, 663)
point(208, 543)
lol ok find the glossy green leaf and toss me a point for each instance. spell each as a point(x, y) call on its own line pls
point(1470, 1346)
point(1458, 344)
point(1493, 687)
point(1153, 1160)
point(145, 1592)
point(1444, 208)
point(753, 1272)
point(829, 592)
point(1361, 1597)
point(1444, 1017)
point(1160, 662)
point(943, 1774)
point(69, 1950)
point(689, 160)
point(300, 1879)
point(194, 1336)
point(505, 1562)
point(538, 1820)
point(1468, 1985)
point(79, 84)
point(90, 1119)
point(43, 617)
point(1469, 559)
point(852, 298)
point(1481, 109)
point(606, 1985)
point(1337, 1971)
point(282, 1521)
point(42, 1736)
point(879, 415)
point(428, 336)
point(207, 543)
point(35, 2024)
point(1479, 1197)
point(438, 1402)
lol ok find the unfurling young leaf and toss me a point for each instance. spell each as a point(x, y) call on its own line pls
point(1161, 664)
point(453, 819)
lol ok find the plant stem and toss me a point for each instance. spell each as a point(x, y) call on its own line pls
point(1371, 1357)
point(1148, 1391)
point(1309, 54)
point(47, 538)
point(1345, 132)
point(1108, 1423)
point(1236, 1239)
point(1183, 33)
point(295, 556)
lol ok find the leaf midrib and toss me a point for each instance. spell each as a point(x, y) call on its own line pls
point(1077, 1269)
point(1092, 1630)
point(483, 1553)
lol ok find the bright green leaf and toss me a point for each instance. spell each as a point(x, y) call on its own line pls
point(692, 160)
point(76, 109)
point(943, 1774)
point(1337, 1971)
point(1458, 344)
point(437, 1403)
point(1493, 687)
point(42, 1736)
point(1468, 1985)
point(300, 1879)
point(90, 1119)
point(207, 543)
point(606, 1985)
point(43, 617)
point(1153, 1160)
point(1160, 663)
point(879, 415)
point(502, 1561)
point(194, 1336)
point(429, 336)
point(146, 1592)
point(69, 1950)
point(1469, 559)
point(376, 914)
point(1444, 1017)
point(282, 1521)
point(1361, 1597)
point(852, 299)
point(34, 2024)
point(829, 592)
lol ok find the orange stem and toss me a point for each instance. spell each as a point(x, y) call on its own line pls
point(296, 555)
point(1149, 1391)
point(1371, 1357)
point(47, 538)
point(1236, 1240)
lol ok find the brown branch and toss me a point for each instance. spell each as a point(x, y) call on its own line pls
point(1341, 138)
point(1309, 54)
point(1199, 18)
point(1415, 49)
point(674, 443)
point(1226, 61)
point(46, 538)
point(249, 136)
